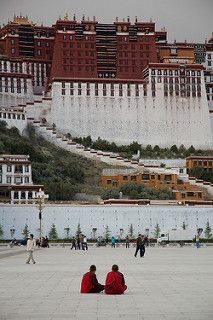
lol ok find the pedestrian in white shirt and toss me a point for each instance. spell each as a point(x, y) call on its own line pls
point(31, 244)
point(85, 243)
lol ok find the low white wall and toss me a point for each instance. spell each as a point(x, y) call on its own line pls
point(116, 217)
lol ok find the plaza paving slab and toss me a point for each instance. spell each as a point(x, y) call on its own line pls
point(169, 284)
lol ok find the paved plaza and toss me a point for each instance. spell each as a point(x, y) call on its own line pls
point(169, 283)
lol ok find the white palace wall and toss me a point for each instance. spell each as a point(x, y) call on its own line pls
point(158, 120)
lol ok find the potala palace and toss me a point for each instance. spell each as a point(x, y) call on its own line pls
point(122, 82)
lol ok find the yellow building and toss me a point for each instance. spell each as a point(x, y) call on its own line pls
point(177, 54)
point(205, 163)
point(116, 178)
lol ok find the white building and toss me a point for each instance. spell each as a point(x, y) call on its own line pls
point(16, 185)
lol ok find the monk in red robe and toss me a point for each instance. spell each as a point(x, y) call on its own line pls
point(115, 283)
point(89, 283)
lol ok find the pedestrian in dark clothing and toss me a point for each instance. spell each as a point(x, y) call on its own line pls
point(143, 246)
point(146, 241)
point(127, 241)
point(139, 246)
point(73, 243)
point(78, 243)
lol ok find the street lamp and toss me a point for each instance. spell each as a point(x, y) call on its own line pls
point(67, 231)
point(94, 232)
point(40, 197)
point(12, 232)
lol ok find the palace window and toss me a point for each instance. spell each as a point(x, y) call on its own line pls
point(120, 90)
point(152, 72)
point(18, 180)
point(26, 179)
point(137, 90)
point(88, 89)
point(63, 92)
point(23, 195)
point(104, 89)
point(128, 90)
point(16, 195)
point(8, 179)
point(165, 72)
point(96, 89)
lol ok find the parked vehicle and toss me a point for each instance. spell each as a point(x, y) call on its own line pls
point(175, 235)
point(101, 242)
point(20, 242)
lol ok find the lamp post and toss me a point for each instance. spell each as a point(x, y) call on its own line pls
point(94, 232)
point(12, 232)
point(40, 197)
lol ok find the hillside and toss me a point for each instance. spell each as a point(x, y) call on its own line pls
point(61, 172)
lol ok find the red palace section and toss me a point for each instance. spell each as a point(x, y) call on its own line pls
point(86, 49)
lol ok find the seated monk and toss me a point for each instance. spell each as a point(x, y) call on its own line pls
point(115, 283)
point(89, 283)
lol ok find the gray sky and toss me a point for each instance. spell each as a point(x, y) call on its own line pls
point(184, 19)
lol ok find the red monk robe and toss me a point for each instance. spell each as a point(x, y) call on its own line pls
point(115, 283)
point(89, 283)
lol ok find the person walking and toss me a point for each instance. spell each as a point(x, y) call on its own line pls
point(127, 241)
point(47, 242)
point(78, 242)
point(139, 246)
point(85, 243)
point(73, 243)
point(197, 240)
point(143, 247)
point(113, 241)
point(89, 283)
point(115, 283)
point(31, 244)
point(82, 241)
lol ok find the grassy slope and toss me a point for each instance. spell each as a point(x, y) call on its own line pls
point(52, 166)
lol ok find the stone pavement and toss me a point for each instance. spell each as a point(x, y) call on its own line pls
point(169, 283)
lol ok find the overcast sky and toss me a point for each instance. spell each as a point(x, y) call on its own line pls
point(184, 19)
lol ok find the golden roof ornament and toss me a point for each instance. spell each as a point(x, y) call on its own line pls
point(21, 20)
point(66, 18)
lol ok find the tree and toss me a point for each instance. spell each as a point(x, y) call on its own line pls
point(1, 231)
point(174, 148)
point(110, 194)
point(131, 231)
point(53, 235)
point(3, 126)
point(107, 233)
point(128, 187)
point(78, 231)
point(191, 150)
point(25, 231)
point(133, 194)
point(208, 231)
point(157, 231)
